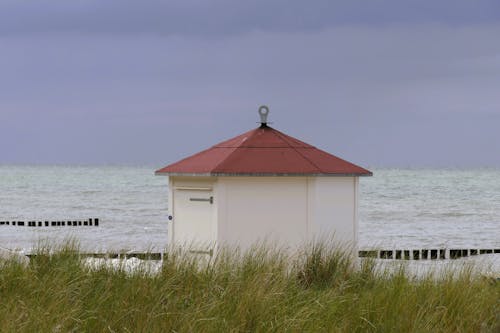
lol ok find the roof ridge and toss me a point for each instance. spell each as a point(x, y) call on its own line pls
point(225, 158)
point(276, 132)
point(252, 132)
point(343, 160)
point(222, 145)
point(287, 138)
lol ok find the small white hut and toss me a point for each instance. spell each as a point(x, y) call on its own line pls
point(262, 185)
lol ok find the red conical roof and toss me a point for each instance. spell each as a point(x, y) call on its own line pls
point(263, 151)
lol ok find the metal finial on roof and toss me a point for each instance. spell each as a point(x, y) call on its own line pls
point(263, 112)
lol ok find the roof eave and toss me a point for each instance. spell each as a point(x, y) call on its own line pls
point(262, 174)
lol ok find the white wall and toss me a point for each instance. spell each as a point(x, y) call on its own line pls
point(333, 207)
point(272, 209)
point(288, 210)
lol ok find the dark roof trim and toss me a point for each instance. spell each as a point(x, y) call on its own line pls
point(217, 174)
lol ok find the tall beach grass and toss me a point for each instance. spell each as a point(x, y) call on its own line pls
point(262, 290)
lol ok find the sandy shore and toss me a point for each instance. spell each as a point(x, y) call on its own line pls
point(487, 265)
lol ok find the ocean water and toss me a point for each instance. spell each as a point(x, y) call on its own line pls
point(430, 208)
point(130, 202)
point(421, 208)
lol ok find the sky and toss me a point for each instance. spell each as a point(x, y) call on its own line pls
point(401, 83)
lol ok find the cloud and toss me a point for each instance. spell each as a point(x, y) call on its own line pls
point(226, 18)
point(418, 92)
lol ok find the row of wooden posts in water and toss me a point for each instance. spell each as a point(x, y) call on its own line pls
point(90, 222)
point(425, 254)
point(413, 254)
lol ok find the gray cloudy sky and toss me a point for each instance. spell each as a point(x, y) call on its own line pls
point(380, 83)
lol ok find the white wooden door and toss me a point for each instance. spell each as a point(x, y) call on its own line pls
point(193, 219)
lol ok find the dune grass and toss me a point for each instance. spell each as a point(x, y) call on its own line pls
point(262, 290)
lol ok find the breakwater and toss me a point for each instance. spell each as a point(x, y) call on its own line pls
point(425, 254)
point(59, 223)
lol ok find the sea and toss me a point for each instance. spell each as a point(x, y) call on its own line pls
point(398, 208)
